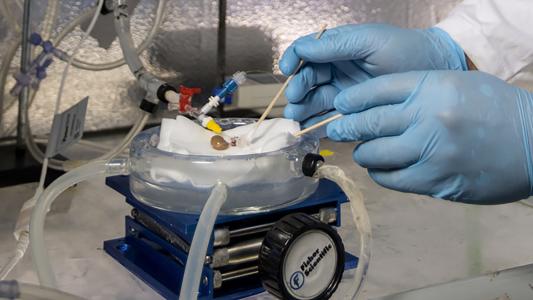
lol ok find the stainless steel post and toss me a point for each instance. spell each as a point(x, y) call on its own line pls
point(25, 59)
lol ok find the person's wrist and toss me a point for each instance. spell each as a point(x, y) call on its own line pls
point(450, 50)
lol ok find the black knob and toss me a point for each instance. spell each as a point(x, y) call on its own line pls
point(301, 258)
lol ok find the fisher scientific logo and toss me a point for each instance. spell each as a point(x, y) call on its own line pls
point(297, 280)
point(314, 259)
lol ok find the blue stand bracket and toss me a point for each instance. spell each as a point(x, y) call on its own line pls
point(156, 243)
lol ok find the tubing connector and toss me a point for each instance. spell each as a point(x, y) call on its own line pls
point(118, 166)
point(38, 67)
point(154, 87)
point(228, 88)
point(210, 124)
point(311, 163)
point(9, 289)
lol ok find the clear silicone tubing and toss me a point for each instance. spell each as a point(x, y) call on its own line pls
point(360, 218)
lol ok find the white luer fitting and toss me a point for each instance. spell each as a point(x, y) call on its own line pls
point(213, 102)
point(172, 96)
point(239, 77)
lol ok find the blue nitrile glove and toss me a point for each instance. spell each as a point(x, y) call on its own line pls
point(464, 136)
point(352, 54)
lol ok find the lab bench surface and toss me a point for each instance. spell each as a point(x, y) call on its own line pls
point(418, 241)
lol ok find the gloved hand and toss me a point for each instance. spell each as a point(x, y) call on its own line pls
point(464, 136)
point(352, 54)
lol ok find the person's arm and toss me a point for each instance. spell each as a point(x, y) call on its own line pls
point(496, 35)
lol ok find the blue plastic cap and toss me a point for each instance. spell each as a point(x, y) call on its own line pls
point(228, 88)
point(41, 74)
point(36, 39)
point(48, 47)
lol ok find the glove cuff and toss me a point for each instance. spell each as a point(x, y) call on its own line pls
point(525, 109)
point(451, 51)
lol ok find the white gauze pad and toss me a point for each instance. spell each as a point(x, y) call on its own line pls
point(183, 136)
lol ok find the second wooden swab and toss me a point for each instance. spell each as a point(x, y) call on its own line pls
point(317, 125)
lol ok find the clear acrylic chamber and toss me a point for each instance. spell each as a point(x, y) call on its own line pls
point(256, 182)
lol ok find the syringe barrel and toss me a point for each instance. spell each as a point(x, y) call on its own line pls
point(232, 84)
point(229, 87)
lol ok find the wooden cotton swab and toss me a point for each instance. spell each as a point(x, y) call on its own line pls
point(285, 84)
point(317, 125)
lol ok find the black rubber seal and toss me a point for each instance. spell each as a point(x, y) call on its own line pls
point(163, 89)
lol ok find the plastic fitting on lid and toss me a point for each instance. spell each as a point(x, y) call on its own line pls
point(310, 163)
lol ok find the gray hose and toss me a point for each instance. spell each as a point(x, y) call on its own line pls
point(4, 72)
point(50, 18)
point(360, 218)
point(147, 81)
point(39, 253)
point(21, 247)
point(142, 47)
point(200, 241)
point(32, 146)
point(8, 14)
point(17, 290)
point(12, 51)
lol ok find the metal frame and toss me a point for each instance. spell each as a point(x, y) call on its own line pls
point(153, 247)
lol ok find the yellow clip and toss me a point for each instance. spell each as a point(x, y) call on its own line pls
point(326, 153)
point(213, 126)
